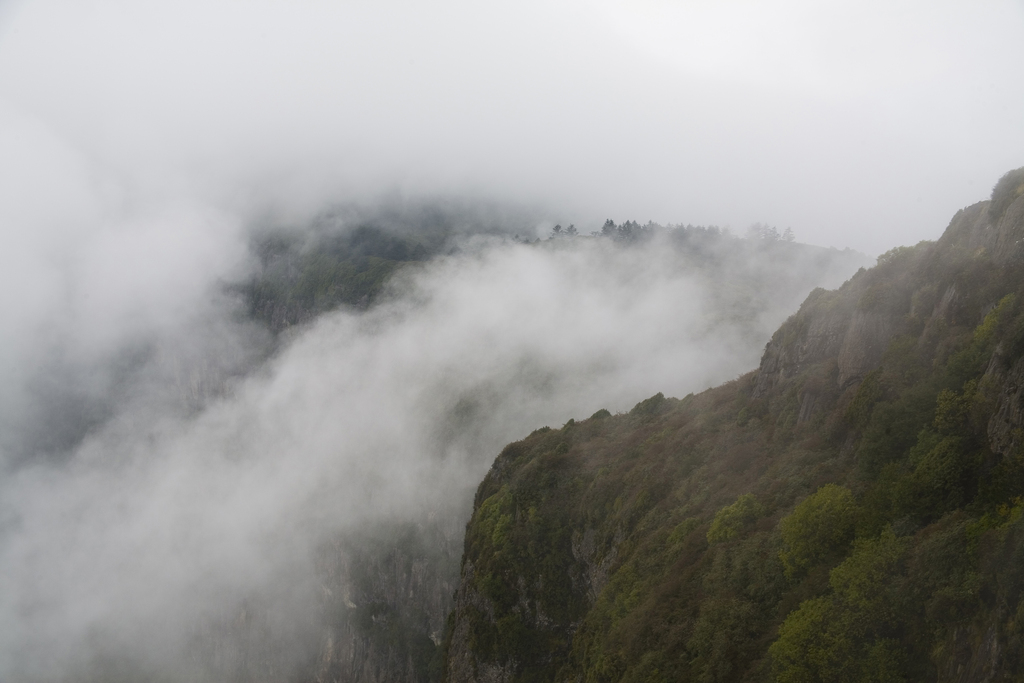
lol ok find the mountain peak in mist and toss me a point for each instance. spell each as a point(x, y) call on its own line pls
point(850, 509)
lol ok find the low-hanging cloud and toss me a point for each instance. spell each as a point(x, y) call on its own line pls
point(162, 520)
point(166, 463)
point(858, 124)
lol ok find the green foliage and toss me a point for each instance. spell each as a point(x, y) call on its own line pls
point(799, 655)
point(944, 477)
point(868, 394)
point(521, 548)
point(906, 563)
point(894, 426)
point(821, 527)
point(494, 522)
point(682, 530)
point(952, 409)
point(1006, 191)
point(895, 256)
point(848, 635)
point(724, 625)
point(298, 281)
point(649, 406)
point(971, 361)
point(732, 520)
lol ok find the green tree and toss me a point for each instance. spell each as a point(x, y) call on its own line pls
point(848, 635)
point(1006, 191)
point(820, 527)
point(733, 519)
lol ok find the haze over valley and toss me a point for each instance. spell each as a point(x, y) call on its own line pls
point(212, 462)
point(279, 283)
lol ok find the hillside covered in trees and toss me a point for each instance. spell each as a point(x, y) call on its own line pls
point(331, 403)
point(852, 510)
point(388, 586)
point(349, 258)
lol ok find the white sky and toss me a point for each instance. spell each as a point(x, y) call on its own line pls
point(863, 124)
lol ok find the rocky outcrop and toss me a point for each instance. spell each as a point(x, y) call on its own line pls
point(463, 665)
point(854, 324)
point(829, 325)
point(596, 566)
point(970, 656)
point(970, 230)
point(386, 594)
point(1006, 426)
point(976, 230)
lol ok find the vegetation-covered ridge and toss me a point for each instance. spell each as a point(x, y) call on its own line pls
point(388, 589)
point(348, 258)
point(850, 511)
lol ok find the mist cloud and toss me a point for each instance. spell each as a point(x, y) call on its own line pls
point(163, 462)
point(161, 520)
point(860, 124)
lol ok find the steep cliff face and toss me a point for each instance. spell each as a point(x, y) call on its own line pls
point(852, 510)
point(522, 586)
point(374, 612)
point(1005, 426)
point(385, 595)
point(855, 324)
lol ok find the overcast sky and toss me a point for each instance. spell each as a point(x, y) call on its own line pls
point(863, 124)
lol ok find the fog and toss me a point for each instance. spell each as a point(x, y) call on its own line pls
point(860, 124)
point(181, 503)
point(167, 461)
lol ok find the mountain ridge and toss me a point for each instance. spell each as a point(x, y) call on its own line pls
point(690, 539)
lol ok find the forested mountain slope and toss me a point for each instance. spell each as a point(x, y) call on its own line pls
point(850, 511)
point(332, 409)
point(389, 588)
point(349, 259)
